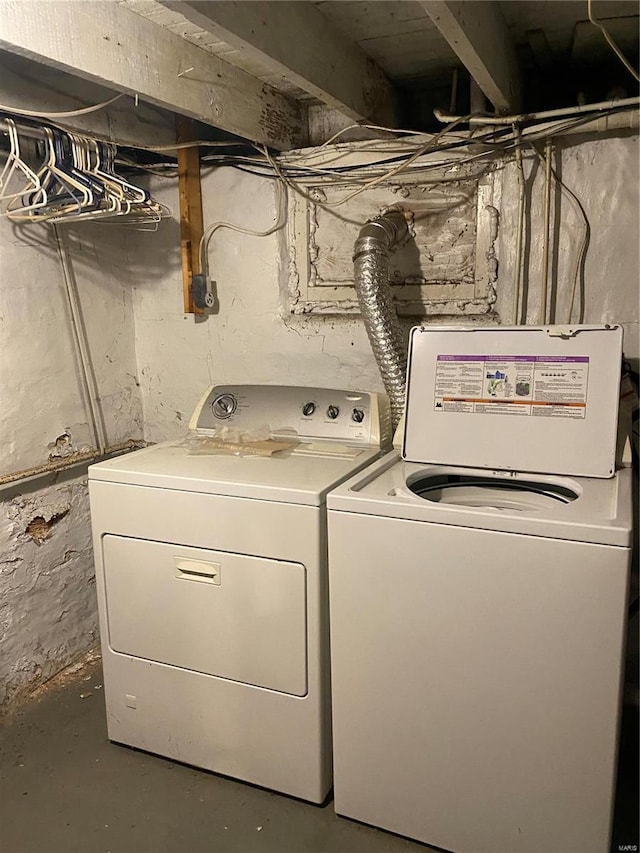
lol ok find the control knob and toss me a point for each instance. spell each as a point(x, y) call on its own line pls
point(308, 409)
point(333, 412)
point(224, 406)
point(357, 415)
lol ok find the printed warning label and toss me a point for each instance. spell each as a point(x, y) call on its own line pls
point(514, 385)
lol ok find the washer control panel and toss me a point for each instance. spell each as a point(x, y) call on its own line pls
point(320, 413)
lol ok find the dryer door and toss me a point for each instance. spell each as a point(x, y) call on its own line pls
point(228, 615)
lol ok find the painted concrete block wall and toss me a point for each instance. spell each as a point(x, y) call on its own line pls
point(41, 391)
point(47, 585)
point(604, 174)
point(253, 338)
point(47, 603)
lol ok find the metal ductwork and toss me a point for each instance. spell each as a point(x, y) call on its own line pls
point(371, 278)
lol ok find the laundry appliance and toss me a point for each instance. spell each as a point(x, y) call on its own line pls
point(478, 587)
point(212, 587)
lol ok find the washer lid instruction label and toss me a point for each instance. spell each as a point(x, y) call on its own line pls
point(518, 385)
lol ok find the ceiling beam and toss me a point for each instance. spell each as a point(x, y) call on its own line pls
point(477, 32)
point(28, 85)
point(295, 41)
point(107, 43)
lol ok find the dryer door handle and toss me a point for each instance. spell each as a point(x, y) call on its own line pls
point(197, 570)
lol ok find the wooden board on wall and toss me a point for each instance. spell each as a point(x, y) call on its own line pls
point(191, 218)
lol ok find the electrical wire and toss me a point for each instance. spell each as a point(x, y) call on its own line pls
point(319, 149)
point(210, 230)
point(423, 149)
point(287, 173)
point(303, 155)
point(585, 236)
point(614, 47)
point(292, 167)
point(501, 141)
point(497, 139)
point(378, 127)
point(546, 238)
point(522, 197)
point(295, 166)
point(160, 170)
point(583, 246)
point(64, 114)
point(197, 143)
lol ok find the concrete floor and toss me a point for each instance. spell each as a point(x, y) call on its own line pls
point(65, 789)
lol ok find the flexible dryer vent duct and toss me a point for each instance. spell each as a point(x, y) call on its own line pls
point(371, 276)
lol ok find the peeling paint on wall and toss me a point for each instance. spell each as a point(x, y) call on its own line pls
point(65, 446)
point(39, 528)
point(47, 589)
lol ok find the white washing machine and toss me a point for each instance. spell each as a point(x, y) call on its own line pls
point(478, 598)
point(212, 588)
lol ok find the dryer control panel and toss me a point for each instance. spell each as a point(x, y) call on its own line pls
point(353, 417)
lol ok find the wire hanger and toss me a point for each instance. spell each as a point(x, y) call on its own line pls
point(76, 180)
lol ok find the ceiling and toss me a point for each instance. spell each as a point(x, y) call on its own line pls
point(557, 55)
point(290, 73)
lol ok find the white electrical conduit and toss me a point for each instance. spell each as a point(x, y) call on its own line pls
point(540, 116)
point(80, 344)
point(546, 238)
point(607, 123)
point(520, 235)
point(573, 198)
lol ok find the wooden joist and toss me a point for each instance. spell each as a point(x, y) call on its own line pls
point(107, 43)
point(477, 32)
point(27, 85)
point(297, 42)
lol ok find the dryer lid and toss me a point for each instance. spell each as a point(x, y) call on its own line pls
point(541, 399)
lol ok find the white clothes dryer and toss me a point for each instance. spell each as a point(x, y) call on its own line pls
point(478, 613)
point(212, 588)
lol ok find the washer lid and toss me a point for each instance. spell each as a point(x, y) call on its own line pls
point(523, 398)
